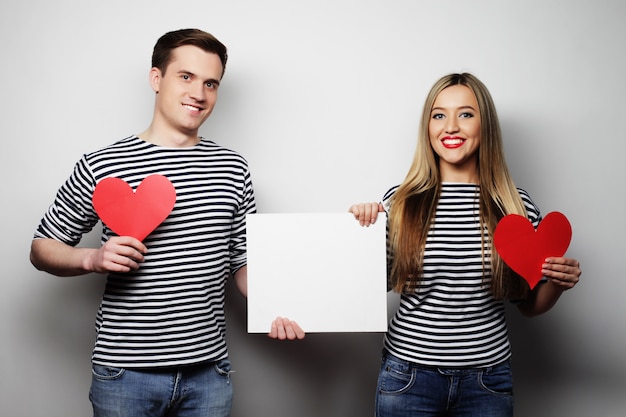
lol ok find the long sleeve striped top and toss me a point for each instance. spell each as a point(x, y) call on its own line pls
point(169, 312)
point(452, 320)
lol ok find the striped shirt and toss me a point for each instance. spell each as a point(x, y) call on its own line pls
point(170, 311)
point(452, 320)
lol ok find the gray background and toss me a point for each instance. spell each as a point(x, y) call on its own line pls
point(323, 98)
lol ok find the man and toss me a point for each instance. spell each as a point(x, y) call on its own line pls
point(160, 347)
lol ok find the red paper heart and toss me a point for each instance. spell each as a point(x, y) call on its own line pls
point(525, 249)
point(137, 213)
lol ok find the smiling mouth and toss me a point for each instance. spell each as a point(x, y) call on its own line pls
point(452, 142)
point(192, 108)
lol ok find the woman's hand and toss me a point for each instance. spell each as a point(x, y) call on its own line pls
point(366, 213)
point(562, 272)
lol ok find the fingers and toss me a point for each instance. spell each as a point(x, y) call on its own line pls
point(130, 242)
point(119, 254)
point(285, 329)
point(297, 330)
point(564, 272)
point(366, 213)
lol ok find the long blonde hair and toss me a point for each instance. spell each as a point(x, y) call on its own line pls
point(414, 203)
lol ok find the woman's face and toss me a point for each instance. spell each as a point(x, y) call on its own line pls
point(454, 133)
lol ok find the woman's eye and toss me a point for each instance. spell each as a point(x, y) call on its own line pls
point(437, 116)
point(466, 115)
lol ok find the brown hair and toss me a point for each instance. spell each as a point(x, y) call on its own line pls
point(414, 203)
point(162, 53)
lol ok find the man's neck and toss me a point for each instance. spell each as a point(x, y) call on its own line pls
point(169, 139)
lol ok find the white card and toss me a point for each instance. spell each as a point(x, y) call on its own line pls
point(324, 271)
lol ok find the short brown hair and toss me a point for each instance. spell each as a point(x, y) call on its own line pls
point(162, 53)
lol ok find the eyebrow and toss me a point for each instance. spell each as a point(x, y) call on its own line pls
point(458, 108)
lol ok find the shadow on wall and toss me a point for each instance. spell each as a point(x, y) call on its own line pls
point(65, 317)
point(55, 336)
point(330, 375)
point(532, 340)
point(548, 367)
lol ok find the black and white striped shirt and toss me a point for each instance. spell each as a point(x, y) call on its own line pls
point(452, 320)
point(170, 311)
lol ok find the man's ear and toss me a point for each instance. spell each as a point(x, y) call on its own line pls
point(155, 79)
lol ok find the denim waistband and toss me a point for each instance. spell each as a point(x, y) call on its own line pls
point(442, 369)
point(191, 367)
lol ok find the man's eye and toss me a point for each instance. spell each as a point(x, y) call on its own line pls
point(210, 84)
point(185, 76)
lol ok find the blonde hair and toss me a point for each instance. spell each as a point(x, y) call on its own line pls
point(414, 203)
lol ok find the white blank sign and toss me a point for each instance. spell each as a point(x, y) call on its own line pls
point(324, 271)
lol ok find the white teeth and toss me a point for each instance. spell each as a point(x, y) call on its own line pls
point(453, 141)
point(191, 107)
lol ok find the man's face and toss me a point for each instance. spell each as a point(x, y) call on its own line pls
point(187, 92)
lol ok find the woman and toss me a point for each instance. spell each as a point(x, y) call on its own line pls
point(447, 352)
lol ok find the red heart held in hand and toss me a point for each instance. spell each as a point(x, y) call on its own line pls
point(137, 213)
point(525, 249)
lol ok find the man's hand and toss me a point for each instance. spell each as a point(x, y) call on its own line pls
point(118, 254)
point(283, 328)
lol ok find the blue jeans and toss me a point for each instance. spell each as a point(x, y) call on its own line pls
point(192, 391)
point(406, 389)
